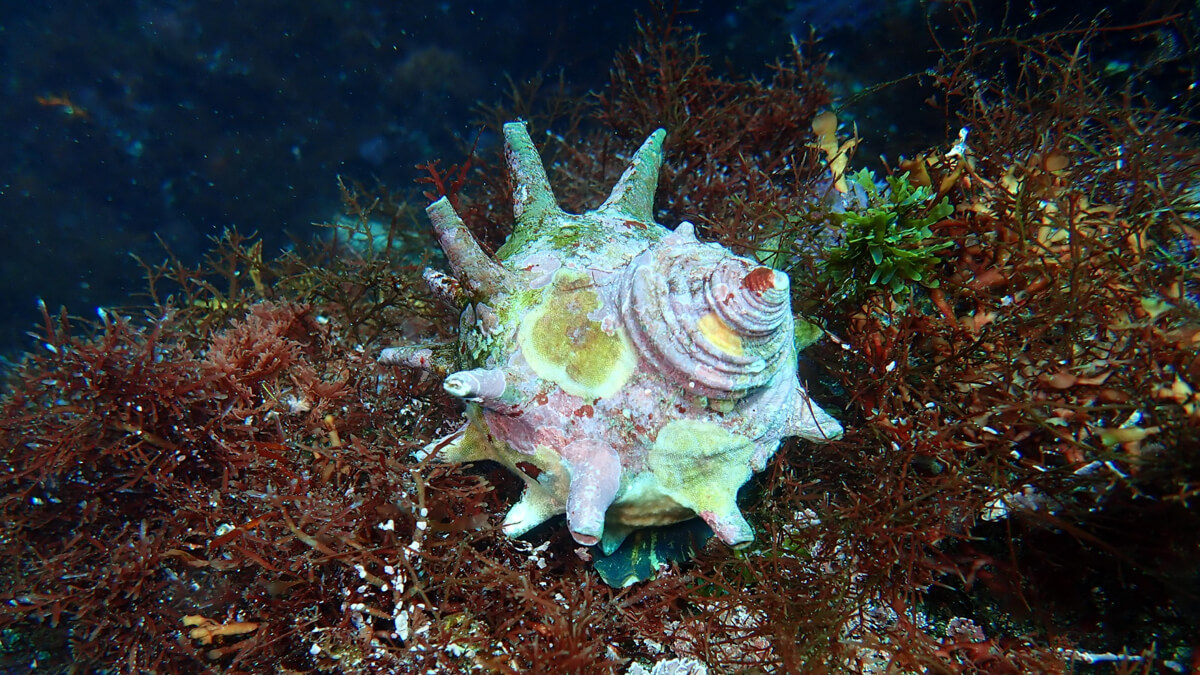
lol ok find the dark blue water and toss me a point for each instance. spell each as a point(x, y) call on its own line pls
point(128, 122)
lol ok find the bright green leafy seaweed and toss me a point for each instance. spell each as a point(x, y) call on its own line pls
point(886, 242)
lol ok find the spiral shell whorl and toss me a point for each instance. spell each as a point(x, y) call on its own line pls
point(719, 335)
point(753, 300)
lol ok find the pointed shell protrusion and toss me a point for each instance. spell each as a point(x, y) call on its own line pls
point(701, 465)
point(807, 420)
point(481, 385)
point(437, 358)
point(537, 505)
point(595, 478)
point(718, 335)
point(445, 288)
point(533, 199)
point(633, 195)
point(474, 268)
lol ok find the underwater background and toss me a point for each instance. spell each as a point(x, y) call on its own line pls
point(211, 223)
point(127, 123)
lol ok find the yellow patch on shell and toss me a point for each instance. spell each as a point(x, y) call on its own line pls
point(720, 334)
point(700, 464)
point(563, 345)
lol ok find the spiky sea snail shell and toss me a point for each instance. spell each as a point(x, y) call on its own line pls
point(646, 374)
